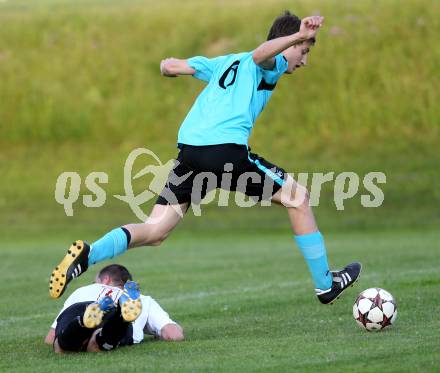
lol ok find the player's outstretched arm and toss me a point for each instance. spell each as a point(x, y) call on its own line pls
point(265, 53)
point(173, 67)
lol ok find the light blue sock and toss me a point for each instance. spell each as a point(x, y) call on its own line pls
point(314, 252)
point(114, 243)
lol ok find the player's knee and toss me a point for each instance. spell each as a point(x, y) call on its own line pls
point(304, 197)
point(298, 197)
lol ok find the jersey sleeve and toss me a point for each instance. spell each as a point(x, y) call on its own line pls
point(280, 67)
point(204, 66)
point(157, 319)
point(151, 320)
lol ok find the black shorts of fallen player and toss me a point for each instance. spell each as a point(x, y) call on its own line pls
point(71, 335)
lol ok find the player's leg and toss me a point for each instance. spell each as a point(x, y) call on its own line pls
point(76, 326)
point(163, 219)
point(166, 214)
point(284, 190)
point(307, 236)
point(113, 330)
point(92, 345)
point(295, 198)
point(109, 337)
point(328, 284)
point(263, 180)
point(118, 322)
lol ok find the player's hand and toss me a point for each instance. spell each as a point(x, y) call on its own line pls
point(164, 67)
point(310, 26)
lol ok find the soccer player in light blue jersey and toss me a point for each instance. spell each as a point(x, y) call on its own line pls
point(213, 139)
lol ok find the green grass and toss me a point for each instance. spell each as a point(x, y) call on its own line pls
point(246, 304)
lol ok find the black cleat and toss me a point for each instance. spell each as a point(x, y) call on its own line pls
point(342, 280)
point(75, 262)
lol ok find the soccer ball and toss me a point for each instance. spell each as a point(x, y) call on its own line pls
point(375, 309)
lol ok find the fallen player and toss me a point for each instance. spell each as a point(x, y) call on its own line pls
point(109, 313)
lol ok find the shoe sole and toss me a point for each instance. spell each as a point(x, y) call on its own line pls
point(93, 316)
point(342, 292)
point(58, 280)
point(131, 309)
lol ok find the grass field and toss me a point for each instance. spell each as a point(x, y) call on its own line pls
point(80, 89)
point(246, 303)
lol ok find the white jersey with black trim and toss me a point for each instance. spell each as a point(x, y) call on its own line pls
point(151, 320)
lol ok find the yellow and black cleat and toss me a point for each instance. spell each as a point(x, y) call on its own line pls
point(130, 301)
point(93, 316)
point(131, 309)
point(94, 313)
point(75, 262)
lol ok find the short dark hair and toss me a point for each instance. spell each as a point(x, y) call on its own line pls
point(117, 273)
point(284, 25)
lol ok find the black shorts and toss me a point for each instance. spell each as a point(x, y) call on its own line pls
point(79, 343)
point(77, 340)
point(200, 169)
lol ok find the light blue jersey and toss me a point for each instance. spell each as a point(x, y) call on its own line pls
point(237, 92)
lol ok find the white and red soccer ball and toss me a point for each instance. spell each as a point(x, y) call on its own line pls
point(375, 309)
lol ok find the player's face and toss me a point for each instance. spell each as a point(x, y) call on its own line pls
point(296, 56)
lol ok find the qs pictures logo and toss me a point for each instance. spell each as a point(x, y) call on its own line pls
point(163, 180)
